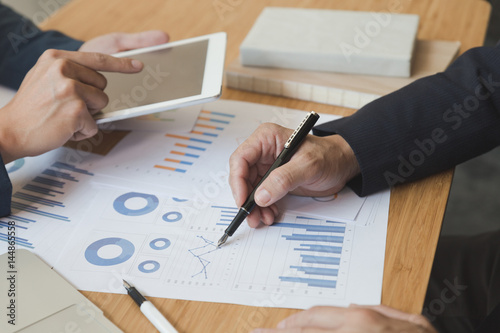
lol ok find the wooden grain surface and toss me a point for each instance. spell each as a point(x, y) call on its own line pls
point(416, 209)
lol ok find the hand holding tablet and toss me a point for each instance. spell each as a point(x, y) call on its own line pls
point(175, 75)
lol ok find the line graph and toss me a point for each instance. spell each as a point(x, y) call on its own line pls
point(201, 252)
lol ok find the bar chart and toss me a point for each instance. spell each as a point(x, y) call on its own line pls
point(190, 147)
point(44, 199)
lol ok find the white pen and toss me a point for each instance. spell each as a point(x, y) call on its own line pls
point(149, 310)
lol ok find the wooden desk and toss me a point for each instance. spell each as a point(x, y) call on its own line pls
point(416, 210)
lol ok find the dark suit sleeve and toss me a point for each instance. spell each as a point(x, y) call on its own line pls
point(21, 44)
point(428, 126)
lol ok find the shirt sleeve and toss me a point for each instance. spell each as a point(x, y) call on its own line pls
point(428, 126)
point(21, 44)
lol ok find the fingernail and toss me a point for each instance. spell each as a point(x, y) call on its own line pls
point(136, 64)
point(263, 196)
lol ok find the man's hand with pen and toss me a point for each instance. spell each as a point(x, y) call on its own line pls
point(320, 167)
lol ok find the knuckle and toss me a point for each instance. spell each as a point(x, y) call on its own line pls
point(62, 66)
point(100, 58)
point(50, 54)
point(77, 106)
point(268, 127)
point(66, 88)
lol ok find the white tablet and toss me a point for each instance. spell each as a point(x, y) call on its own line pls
point(175, 75)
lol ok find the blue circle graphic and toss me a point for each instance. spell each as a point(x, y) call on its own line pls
point(16, 165)
point(119, 204)
point(154, 246)
point(93, 257)
point(143, 269)
point(172, 217)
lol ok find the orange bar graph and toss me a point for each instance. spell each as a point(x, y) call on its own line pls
point(208, 126)
point(165, 167)
point(177, 136)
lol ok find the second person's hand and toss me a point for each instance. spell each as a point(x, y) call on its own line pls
point(56, 100)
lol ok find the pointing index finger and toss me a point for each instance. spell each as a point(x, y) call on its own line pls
point(100, 62)
point(106, 63)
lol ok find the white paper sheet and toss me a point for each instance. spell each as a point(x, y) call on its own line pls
point(162, 242)
point(63, 205)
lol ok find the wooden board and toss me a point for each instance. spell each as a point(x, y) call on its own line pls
point(416, 209)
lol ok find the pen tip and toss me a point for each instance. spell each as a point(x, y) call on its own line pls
point(222, 240)
point(126, 284)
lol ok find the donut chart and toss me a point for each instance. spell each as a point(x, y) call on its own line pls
point(151, 204)
point(93, 257)
point(172, 217)
point(142, 266)
point(155, 246)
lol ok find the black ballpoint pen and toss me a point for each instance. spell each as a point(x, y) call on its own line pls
point(289, 149)
point(149, 310)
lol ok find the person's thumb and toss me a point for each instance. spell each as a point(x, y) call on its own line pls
point(279, 182)
point(141, 39)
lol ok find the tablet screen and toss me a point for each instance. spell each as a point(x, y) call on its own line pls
point(168, 74)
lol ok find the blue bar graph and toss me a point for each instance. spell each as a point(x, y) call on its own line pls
point(69, 167)
point(190, 146)
point(317, 238)
point(48, 181)
point(21, 219)
point(311, 282)
point(19, 241)
point(226, 214)
point(320, 260)
point(40, 200)
point(41, 190)
point(59, 174)
point(307, 227)
point(319, 248)
point(35, 210)
point(317, 270)
point(6, 225)
point(228, 115)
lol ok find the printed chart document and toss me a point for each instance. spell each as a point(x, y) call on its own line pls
point(166, 243)
point(152, 207)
